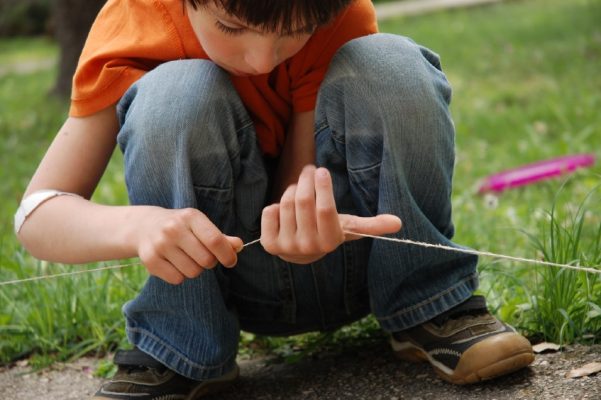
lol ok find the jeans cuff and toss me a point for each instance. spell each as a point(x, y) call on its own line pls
point(426, 310)
point(174, 360)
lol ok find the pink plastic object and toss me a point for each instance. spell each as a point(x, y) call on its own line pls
point(535, 172)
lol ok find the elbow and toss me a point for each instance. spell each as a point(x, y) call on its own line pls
point(33, 244)
point(29, 244)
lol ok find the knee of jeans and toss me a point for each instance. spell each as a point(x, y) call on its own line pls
point(170, 99)
point(390, 65)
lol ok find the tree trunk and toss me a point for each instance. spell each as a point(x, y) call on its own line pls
point(72, 22)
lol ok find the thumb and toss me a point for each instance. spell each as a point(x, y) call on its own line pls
point(378, 225)
point(236, 243)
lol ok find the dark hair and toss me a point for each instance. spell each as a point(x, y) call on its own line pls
point(282, 16)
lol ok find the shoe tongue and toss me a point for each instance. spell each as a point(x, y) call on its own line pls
point(136, 359)
point(132, 369)
point(473, 306)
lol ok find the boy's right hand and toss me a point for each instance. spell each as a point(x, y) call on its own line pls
point(305, 225)
point(178, 244)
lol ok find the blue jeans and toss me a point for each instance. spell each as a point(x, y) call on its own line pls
point(382, 129)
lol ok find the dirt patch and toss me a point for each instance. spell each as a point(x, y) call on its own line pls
point(367, 372)
point(74, 381)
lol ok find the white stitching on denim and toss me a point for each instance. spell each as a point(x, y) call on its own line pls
point(429, 300)
point(191, 363)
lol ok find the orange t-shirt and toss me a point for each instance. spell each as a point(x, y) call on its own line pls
point(131, 37)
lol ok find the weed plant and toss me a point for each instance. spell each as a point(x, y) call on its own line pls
point(564, 303)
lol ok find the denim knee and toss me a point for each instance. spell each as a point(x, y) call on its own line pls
point(393, 63)
point(395, 81)
point(385, 93)
point(164, 104)
point(176, 120)
point(188, 140)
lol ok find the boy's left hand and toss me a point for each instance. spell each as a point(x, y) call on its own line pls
point(305, 225)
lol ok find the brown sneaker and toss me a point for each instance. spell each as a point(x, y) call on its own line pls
point(465, 344)
point(141, 377)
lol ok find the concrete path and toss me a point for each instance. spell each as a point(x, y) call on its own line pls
point(415, 7)
point(26, 67)
point(372, 373)
point(367, 371)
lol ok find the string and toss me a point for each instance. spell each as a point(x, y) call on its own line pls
point(480, 253)
point(253, 242)
point(112, 267)
point(44, 277)
point(404, 241)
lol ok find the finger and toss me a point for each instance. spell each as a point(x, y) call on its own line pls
point(236, 242)
point(287, 229)
point(379, 225)
point(185, 264)
point(198, 252)
point(304, 203)
point(270, 226)
point(214, 240)
point(164, 270)
point(328, 225)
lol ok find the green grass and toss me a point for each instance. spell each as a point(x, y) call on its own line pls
point(26, 49)
point(63, 318)
point(526, 87)
point(565, 303)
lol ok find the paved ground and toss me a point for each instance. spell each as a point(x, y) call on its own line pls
point(368, 372)
point(393, 9)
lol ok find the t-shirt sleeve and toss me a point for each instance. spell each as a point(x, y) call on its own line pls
point(128, 38)
point(308, 69)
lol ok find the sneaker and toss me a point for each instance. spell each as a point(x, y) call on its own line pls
point(141, 377)
point(465, 344)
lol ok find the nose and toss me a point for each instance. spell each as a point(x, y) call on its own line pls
point(262, 56)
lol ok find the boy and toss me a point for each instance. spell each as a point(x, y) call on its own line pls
point(223, 109)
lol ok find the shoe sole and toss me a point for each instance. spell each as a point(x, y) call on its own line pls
point(206, 388)
point(499, 355)
point(215, 385)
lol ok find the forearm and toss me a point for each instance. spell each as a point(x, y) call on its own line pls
point(298, 151)
point(74, 230)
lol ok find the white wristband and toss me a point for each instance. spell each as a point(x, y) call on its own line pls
point(33, 201)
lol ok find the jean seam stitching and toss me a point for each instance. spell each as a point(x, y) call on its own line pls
point(243, 297)
point(429, 300)
point(179, 357)
point(288, 305)
point(348, 267)
point(246, 125)
point(364, 169)
point(316, 285)
point(321, 127)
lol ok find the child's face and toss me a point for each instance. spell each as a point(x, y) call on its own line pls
point(241, 49)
